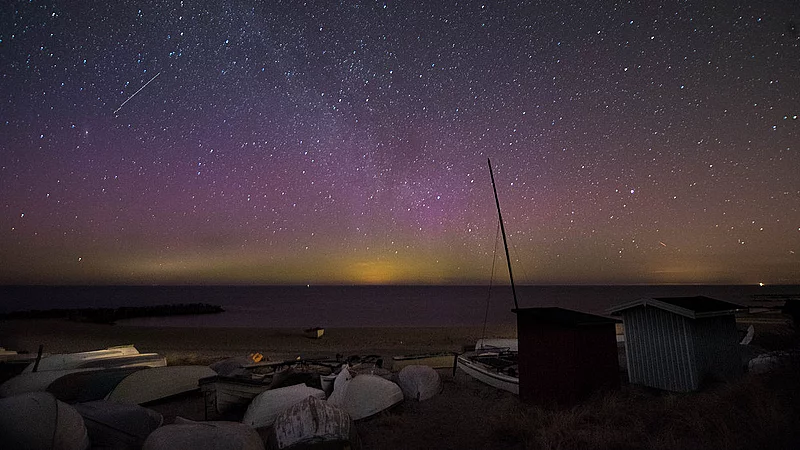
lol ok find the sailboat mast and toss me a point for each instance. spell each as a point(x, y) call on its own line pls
point(503, 230)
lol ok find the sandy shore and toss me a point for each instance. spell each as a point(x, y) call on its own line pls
point(454, 419)
point(181, 345)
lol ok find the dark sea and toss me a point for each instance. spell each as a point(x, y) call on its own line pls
point(359, 306)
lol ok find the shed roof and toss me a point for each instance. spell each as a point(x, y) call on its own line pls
point(692, 307)
point(563, 316)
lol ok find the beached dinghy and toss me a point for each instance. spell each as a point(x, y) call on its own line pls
point(33, 381)
point(314, 333)
point(75, 360)
point(313, 423)
point(364, 395)
point(443, 360)
point(497, 370)
point(89, 385)
point(227, 395)
point(419, 382)
point(269, 404)
point(157, 383)
point(118, 425)
point(36, 420)
point(187, 434)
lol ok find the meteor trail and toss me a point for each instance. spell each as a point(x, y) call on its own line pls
point(134, 94)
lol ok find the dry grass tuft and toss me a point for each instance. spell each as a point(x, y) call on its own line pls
point(755, 412)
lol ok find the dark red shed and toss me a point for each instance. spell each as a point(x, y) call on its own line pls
point(565, 355)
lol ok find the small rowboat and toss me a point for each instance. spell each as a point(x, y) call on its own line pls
point(314, 333)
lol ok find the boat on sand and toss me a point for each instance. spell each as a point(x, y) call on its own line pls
point(419, 382)
point(266, 407)
point(76, 360)
point(363, 396)
point(494, 361)
point(442, 360)
point(37, 420)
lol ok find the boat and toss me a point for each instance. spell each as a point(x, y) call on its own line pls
point(314, 333)
point(34, 381)
point(266, 407)
point(364, 396)
point(217, 435)
point(38, 420)
point(118, 425)
point(494, 370)
point(443, 360)
point(224, 395)
point(494, 361)
point(75, 360)
point(88, 385)
point(313, 423)
point(419, 382)
point(148, 385)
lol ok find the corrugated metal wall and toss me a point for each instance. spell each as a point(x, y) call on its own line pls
point(661, 350)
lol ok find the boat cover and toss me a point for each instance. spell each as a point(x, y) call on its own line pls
point(312, 421)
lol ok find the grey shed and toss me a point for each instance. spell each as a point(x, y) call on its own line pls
point(676, 343)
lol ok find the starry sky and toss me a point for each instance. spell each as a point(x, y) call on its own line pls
point(289, 142)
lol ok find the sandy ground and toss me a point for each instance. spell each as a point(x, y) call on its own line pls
point(183, 344)
point(457, 418)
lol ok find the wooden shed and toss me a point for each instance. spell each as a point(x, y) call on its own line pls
point(677, 343)
point(564, 355)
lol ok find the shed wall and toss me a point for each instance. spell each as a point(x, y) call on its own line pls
point(660, 349)
point(717, 348)
point(563, 364)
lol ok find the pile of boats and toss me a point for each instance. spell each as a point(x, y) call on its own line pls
point(101, 398)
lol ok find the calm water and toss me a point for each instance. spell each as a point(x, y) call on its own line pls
point(357, 306)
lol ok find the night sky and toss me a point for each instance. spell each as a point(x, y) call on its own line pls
point(325, 142)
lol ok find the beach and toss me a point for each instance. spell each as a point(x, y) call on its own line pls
point(182, 345)
point(753, 412)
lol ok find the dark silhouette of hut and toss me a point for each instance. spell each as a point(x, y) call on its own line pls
point(565, 355)
point(678, 343)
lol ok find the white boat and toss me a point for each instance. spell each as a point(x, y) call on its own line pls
point(419, 382)
point(152, 384)
point(217, 435)
point(510, 345)
point(36, 420)
point(33, 381)
point(488, 373)
point(75, 360)
point(313, 423)
point(443, 360)
point(266, 407)
point(364, 395)
point(494, 361)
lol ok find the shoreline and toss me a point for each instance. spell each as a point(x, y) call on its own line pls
point(203, 345)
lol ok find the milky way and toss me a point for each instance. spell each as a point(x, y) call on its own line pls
point(325, 142)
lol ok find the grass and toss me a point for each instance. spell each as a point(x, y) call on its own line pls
point(753, 413)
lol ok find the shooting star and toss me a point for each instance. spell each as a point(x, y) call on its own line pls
point(134, 94)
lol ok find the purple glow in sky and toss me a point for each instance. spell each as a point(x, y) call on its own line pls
point(318, 142)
